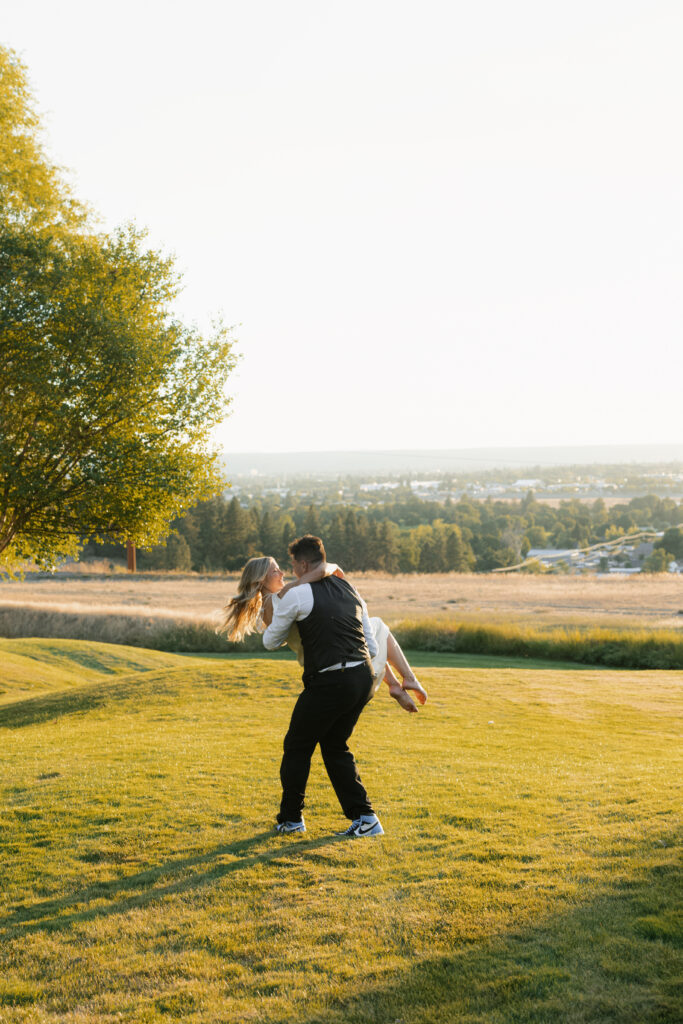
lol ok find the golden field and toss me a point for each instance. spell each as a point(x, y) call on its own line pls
point(654, 601)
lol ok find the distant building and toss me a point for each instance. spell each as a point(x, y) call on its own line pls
point(641, 551)
point(378, 487)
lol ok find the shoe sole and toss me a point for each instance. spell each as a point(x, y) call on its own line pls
point(362, 835)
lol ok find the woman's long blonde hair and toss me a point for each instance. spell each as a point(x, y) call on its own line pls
point(241, 614)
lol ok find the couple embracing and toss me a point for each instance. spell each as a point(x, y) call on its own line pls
point(345, 655)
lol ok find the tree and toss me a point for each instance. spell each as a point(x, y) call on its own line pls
point(351, 552)
point(672, 541)
point(33, 193)
point(389, 547)
point(658, 561)
point(269, 534)
point(537, 537)
point(528, 502)
point(178, 554)
point(106, 400)
point(335, 541)
point(409, 553)
point(235, 535)
point(458, 557)
point(288, 534)
point(432, 550)
point(312, 521)
point(208, 544)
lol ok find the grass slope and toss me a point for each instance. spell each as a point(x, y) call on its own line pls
point(37, 666)
point(528, 873)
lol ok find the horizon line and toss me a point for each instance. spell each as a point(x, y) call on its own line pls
point(451, 451)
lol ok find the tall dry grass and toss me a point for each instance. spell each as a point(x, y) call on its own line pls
point(158, 629)
point(167, 630)
point(593, 645)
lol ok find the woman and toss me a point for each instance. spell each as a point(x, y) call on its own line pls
point(262, 583)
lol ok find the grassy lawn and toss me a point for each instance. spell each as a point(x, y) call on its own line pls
point(529, 872)
point(420, 659)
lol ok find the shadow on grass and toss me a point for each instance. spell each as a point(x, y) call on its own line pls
point(196, 871)
point(85, 698)
point(615, 959)
point(138, 686)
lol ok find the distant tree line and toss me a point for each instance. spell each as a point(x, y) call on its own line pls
point(407, 535)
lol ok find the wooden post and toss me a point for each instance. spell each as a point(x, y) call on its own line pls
point(130, 549)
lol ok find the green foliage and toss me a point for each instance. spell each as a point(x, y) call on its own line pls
point(401, 536)
point(535, 568)
point(177, 553)
point(106, 400)
point(33, 193)
point(658, 561)
point(672, 542)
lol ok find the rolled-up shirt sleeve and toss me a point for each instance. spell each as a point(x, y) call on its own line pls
point(285, 612)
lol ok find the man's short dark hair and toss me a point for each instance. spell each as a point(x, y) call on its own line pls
point(308, 549)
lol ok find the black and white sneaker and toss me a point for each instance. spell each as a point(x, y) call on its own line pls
point(366, 825)
point(284, 827)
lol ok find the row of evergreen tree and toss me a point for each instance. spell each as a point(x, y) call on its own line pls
point(405, 536)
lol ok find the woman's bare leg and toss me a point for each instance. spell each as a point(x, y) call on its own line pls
point(397, 691)
point(397, 658)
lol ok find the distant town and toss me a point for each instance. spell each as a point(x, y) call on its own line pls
point(612, 484)
point(603, 519)
point(631, 543)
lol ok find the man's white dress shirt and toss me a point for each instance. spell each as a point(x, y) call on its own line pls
point(296, 605)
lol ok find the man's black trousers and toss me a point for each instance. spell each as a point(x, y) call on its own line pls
point(326, 713)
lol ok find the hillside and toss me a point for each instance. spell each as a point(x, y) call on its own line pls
point(528, 872)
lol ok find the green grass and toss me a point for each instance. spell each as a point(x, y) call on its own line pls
point(418, 659)
point(529, 872)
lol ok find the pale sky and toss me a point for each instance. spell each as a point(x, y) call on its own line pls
point(436, 225)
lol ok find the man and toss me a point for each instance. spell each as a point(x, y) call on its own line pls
point(338, 643)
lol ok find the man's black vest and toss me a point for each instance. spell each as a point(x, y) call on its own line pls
point(333, 632)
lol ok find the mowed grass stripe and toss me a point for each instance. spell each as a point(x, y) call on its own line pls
point(529, 871)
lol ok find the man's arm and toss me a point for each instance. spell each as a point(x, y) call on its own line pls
point(286, 611)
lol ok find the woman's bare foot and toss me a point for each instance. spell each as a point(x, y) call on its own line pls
point(420, 692)
point(403, 698)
